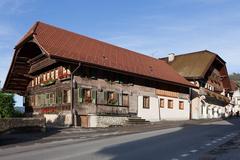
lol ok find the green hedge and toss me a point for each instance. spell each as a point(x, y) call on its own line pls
point(6, 105)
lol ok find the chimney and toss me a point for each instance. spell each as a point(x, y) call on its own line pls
point(171, 57)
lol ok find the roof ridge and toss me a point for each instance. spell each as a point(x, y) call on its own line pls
point(191, 53)
point(107, 43)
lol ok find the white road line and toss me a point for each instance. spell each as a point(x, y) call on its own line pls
point(208, 144)
point(194, 151)
point(184, 155)
point(219, 139)
point(214, 141)
point(174, 159)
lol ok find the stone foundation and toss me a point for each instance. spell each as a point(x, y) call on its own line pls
point(61, 119)
point(105, 121)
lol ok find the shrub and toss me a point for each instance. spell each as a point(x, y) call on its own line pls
point(6, 105)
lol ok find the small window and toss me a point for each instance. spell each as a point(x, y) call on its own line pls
point(52, 75)
point(66, 96)
point(44, 77)
point(56, 73)
point(170, 104)
point(181, 105)
point(52, 99)
point(161, 103)
point(112, 98)
point(64, 71)
point(125, 99)
point(87, 97)
point(146, 102)
point(36, 81)
point(48, 76)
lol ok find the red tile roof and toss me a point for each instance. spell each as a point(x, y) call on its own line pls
point(61, 43)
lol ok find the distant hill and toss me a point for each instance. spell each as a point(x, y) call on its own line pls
point(235, 77)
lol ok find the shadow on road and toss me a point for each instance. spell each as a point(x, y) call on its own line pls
point(166, 146)
point(25, 135)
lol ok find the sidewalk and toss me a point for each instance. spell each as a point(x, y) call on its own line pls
point(84, 134)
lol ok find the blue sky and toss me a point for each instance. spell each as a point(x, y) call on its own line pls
point(153, 27)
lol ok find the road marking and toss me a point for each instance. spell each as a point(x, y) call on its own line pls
point(184, 155)
point(208, 144)
point(219, 139)
point(214, 141)
point(194, 151)
point(174, 159)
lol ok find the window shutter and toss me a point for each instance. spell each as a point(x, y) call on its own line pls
point(80, 95)
point(120, 101)
point(94, 96)
point(105, 97)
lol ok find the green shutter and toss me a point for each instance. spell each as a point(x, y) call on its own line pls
point(105, 97)
point(94, 96)
point(80, 95)
point(59, 97)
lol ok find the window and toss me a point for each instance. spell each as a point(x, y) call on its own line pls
point(87, 97)
point(68, 72)
point(112, 98)
point(48, 76)
point(52, 98)
point(66, 96)
point(170, 104)
point(161, 103)
point(52, 75)
point(181, 105)
point(38, 79)
point(125, 100)
point(35, 80)
point(146, 102)
point(64, 71)
point(44, 77)
point(56, 73)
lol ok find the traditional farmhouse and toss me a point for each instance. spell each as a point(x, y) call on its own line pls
point(207, 71)
point(73, 79)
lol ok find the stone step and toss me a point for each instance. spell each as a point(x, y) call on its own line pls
point(136, 120)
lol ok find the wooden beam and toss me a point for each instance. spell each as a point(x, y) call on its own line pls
point(18, 79)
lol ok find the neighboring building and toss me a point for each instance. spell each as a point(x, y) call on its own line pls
point(207, 71)
point(62, 74)
point(235, 91)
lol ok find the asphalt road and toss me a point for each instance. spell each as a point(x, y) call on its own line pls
point(190, 142)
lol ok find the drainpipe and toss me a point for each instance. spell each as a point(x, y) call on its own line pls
point(73, 109)
point(190, 102)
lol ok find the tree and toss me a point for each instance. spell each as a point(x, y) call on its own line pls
point(235, 77)
point(7, 103)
